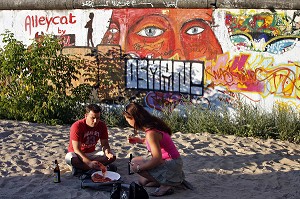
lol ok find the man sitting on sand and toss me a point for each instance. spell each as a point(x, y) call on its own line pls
point(84, 135)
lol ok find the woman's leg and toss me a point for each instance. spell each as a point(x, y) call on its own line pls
point(145, 179)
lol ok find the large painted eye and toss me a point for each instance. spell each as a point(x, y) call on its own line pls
point(150, 31)
point(113, 30)
point(194, 30)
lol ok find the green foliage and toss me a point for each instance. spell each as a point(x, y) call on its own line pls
point(107, 74)
point(253, 121)
point(287, 123)
point(36, 82)
point(173, 118)
point(113, 115)
point(246, 121)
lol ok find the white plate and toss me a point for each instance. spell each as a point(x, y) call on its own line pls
point(110, 174)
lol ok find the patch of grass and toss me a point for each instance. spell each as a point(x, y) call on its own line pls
point(246, 121)
point(113, 115)
point(287, 123)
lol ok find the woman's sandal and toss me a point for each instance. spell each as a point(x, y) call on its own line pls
point(157, 192)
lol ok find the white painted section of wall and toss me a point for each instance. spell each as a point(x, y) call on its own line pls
point(18, 22)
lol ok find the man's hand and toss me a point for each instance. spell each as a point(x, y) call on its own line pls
point(109, 155)
point(97, 165)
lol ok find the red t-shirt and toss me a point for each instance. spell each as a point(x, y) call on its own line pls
point(86, 135)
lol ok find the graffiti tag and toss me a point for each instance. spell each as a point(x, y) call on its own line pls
point(165, 75)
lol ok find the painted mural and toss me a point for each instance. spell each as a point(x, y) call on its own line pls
point(212, 56)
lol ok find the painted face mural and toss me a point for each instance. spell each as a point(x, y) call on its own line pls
point(182, 34)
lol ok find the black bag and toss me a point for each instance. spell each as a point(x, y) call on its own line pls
point(105, 186)
point(128, 191)
point(87, 182)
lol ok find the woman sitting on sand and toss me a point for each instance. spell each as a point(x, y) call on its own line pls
point(163, 166)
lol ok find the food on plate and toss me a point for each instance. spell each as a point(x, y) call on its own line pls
point(102, 168)
point(96, 177)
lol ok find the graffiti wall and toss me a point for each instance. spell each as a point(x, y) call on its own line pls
point(212, 56)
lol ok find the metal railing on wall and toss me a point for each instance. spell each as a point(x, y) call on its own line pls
point(109, 4)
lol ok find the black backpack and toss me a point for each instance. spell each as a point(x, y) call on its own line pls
point(128, 191)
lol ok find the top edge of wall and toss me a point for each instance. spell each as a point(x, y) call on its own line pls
point(112, 4)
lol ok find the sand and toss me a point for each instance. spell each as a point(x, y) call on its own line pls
point(219, 166)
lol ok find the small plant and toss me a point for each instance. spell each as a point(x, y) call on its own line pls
point(287, 123)
point(113, 115)
point(247, 121)
point(35, 82)
point(174, 119)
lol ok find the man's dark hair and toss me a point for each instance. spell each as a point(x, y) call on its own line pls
point(93, 107)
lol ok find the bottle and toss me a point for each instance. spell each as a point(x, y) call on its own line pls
point(129, 164)
point(56, 173)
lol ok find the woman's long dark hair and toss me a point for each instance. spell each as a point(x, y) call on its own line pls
point(143, 119)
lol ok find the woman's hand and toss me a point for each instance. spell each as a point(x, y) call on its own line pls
point(135, 167)
point(134, 140)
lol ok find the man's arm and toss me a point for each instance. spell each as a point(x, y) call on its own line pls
point(106, 148)
point(82, 156)
point(92, 164)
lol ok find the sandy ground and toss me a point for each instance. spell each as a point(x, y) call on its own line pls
point(225, 167)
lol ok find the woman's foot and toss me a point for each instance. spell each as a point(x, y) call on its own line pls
point(151, 184)
point(147, 183)
point(162, 191)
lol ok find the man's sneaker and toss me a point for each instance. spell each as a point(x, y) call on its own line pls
point(87, 174)
point(112, 167)
point(187, 185)
point(76, 172)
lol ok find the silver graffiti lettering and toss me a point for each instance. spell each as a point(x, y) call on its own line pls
point(165, 75)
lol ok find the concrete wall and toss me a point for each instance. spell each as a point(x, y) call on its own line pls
point(216, 55)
